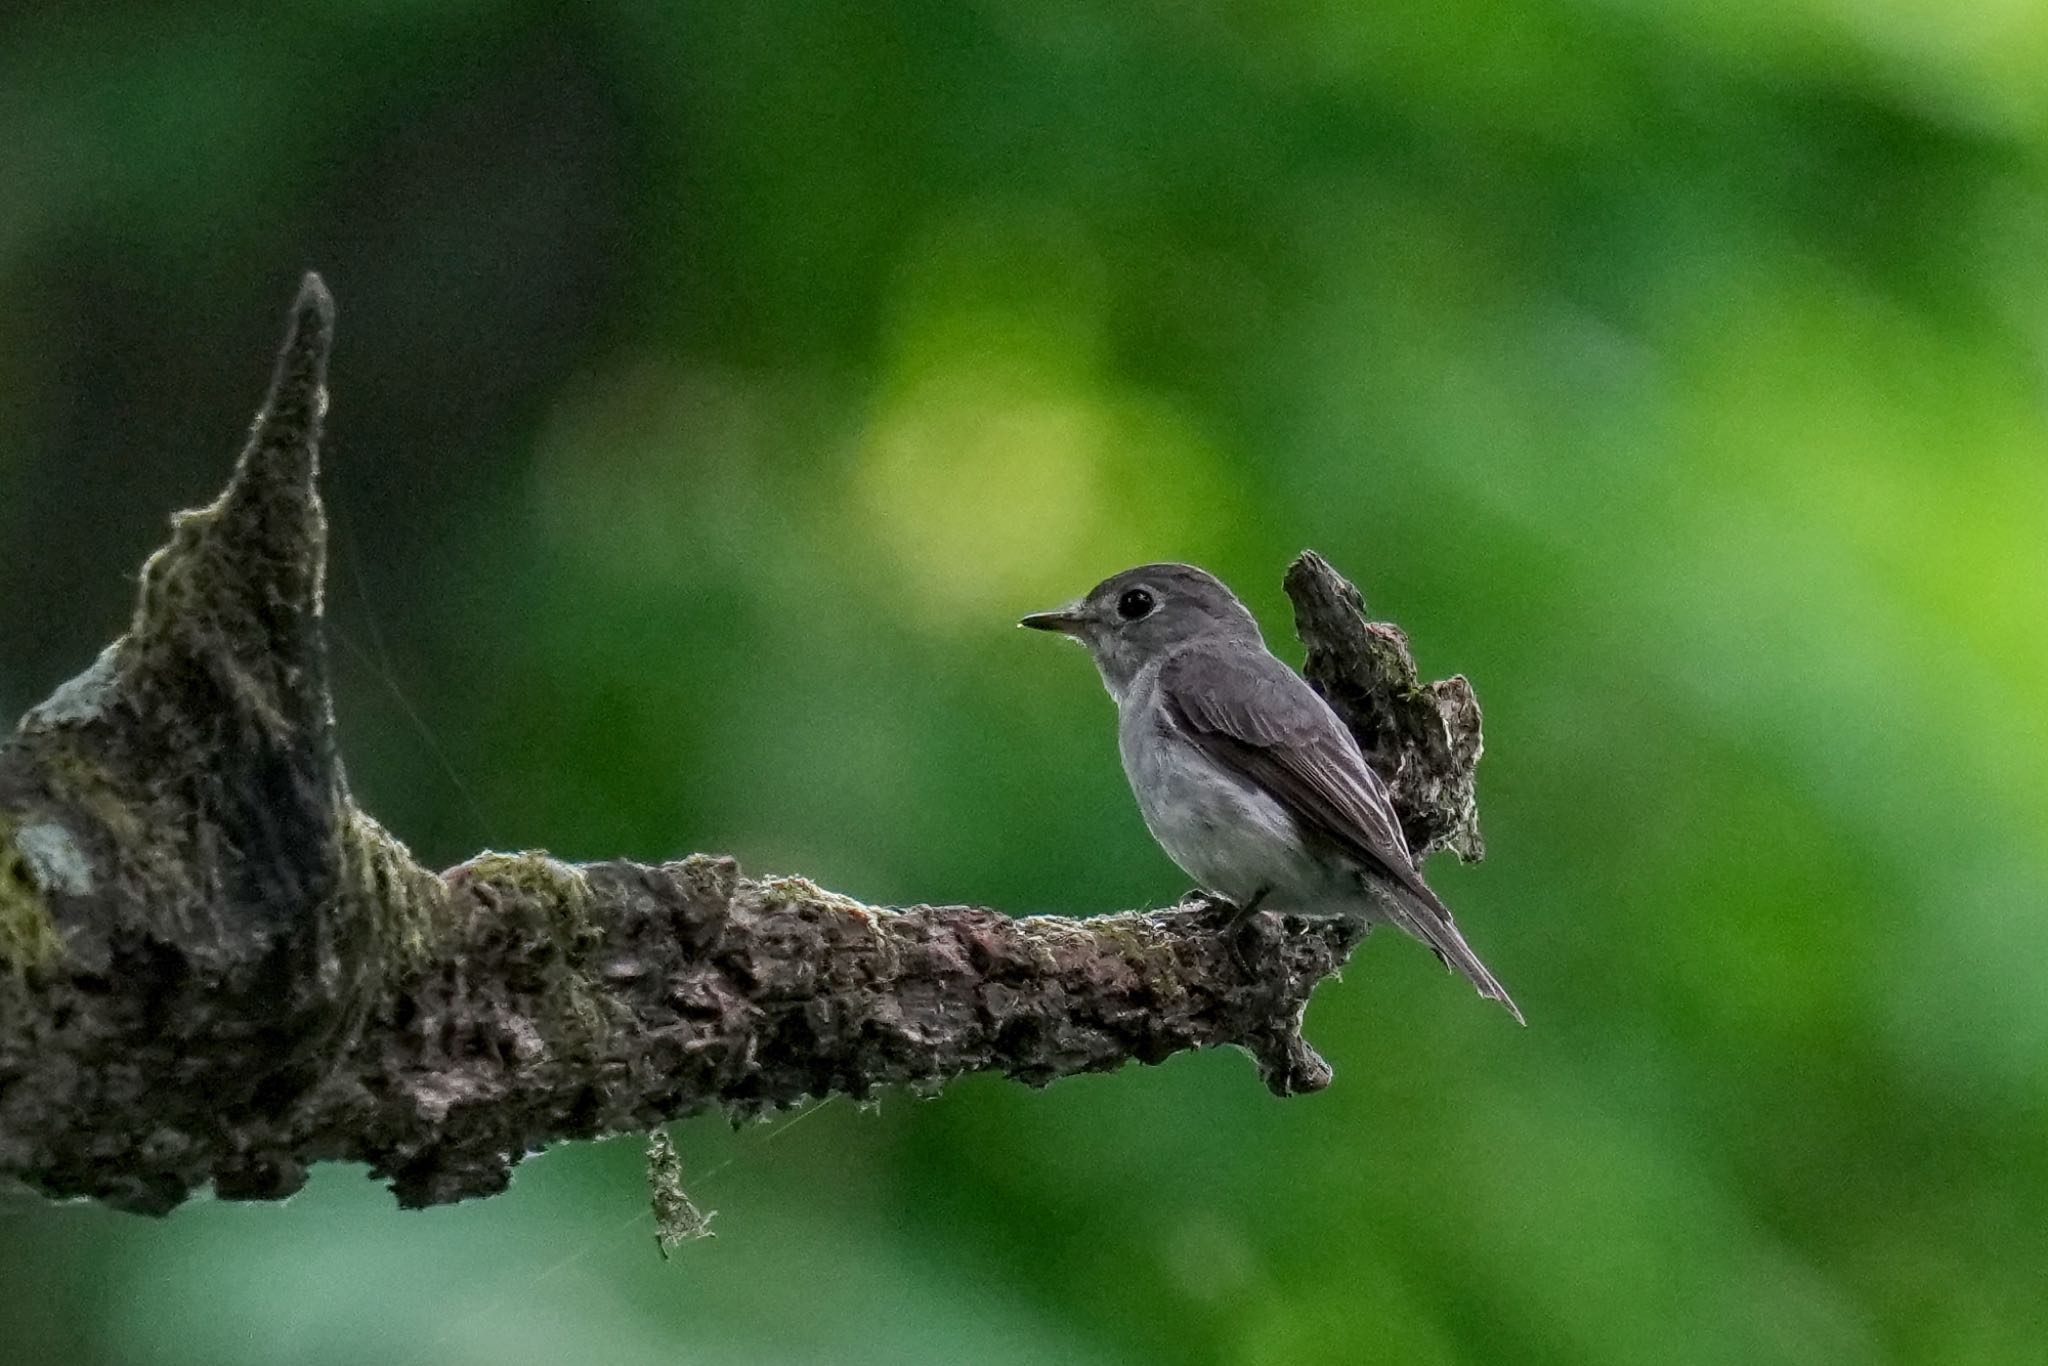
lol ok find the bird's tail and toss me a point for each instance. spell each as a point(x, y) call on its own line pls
point(1432, 925)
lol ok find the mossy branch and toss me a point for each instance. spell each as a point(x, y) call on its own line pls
point(215, 968)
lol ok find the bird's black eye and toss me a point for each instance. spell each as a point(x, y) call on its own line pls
point(1135, 603)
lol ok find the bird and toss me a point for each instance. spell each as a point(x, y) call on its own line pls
point(1244, 775)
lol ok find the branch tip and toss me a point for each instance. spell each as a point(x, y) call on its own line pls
point(315, 301)
point(285, 442)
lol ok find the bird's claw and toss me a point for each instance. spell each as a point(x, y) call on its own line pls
point(1235, 925)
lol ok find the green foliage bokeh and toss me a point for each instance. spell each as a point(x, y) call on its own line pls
point(717, 384)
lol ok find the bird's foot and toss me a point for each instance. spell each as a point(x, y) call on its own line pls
point(1236, 925)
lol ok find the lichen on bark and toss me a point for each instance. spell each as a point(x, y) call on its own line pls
point(216, 968)
point(28, 936)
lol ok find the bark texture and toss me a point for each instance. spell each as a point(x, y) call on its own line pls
point(215, 968)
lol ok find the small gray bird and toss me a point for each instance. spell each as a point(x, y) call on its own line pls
point(1245, 776)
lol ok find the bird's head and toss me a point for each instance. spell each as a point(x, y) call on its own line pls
point(1130, 619)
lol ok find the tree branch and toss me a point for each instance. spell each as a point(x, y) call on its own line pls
point(215, 968)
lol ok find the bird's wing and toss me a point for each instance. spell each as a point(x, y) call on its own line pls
point(1253, 714)
point(1256, 717)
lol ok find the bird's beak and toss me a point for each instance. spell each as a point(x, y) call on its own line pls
point(1067, 620)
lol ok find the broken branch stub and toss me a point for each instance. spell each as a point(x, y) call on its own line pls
point(1423, 738)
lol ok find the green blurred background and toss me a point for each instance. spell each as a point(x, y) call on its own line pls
point(718, 382)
